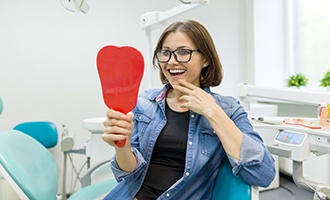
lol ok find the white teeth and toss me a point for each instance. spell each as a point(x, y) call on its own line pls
point(176, 71)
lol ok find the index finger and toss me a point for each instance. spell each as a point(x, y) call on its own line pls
point(186, 84)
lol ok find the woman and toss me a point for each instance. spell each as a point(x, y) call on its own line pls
point(178, 136)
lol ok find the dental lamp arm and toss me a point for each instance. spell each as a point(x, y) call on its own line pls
point(149, 19)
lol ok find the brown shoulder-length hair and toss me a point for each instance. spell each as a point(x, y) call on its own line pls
point(212, 74)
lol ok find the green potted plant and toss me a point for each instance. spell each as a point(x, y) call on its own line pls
point(325, 81)
point(297, 80)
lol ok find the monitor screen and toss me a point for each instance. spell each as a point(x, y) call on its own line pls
point(290, 137)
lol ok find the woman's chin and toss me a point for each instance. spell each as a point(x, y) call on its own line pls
point(174, 82)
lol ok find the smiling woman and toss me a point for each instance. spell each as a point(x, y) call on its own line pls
point(178, 136)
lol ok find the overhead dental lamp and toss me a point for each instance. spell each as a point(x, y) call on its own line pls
point(75, 5)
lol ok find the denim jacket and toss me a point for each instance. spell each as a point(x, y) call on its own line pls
point(204, 150)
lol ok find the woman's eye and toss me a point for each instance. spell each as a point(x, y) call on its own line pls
point(183, 52)
point(166, 53)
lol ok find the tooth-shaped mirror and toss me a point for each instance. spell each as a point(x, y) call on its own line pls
point(120, 71)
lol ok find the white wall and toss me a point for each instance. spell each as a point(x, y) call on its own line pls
point(47, 56)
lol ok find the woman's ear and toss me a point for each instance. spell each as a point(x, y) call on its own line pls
point(206, 63)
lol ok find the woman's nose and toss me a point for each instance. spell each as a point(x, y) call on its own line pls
point(173, 59)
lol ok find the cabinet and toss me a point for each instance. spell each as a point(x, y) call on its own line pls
point(292, 103)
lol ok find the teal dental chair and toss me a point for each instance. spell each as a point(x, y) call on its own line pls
point(30, 169)
point(32, 172)
point(230, 187)
point(26, 164)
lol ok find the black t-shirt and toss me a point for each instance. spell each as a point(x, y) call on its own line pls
point(168, 159)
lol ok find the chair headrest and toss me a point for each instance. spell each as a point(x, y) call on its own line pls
point(43, 131)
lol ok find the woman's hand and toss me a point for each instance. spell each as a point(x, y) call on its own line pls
point(203, 103)
point(195, 98)
point(118, 126)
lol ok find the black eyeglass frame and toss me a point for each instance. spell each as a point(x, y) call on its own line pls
point(175, 56)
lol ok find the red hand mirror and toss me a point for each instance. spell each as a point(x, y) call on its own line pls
point(120, 70)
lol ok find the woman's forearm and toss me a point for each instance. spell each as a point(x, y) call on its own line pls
point(227, 131)
point(126, 159)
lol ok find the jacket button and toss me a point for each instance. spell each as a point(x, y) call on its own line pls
point(168, 194)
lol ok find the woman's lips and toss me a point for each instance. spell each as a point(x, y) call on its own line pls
point(175, 72)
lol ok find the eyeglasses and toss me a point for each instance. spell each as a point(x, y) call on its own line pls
point(180, 55)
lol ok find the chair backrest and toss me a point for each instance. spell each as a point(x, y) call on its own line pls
point(29, 167)
point(1, 105)
point(230, 187)
point(43, 131)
